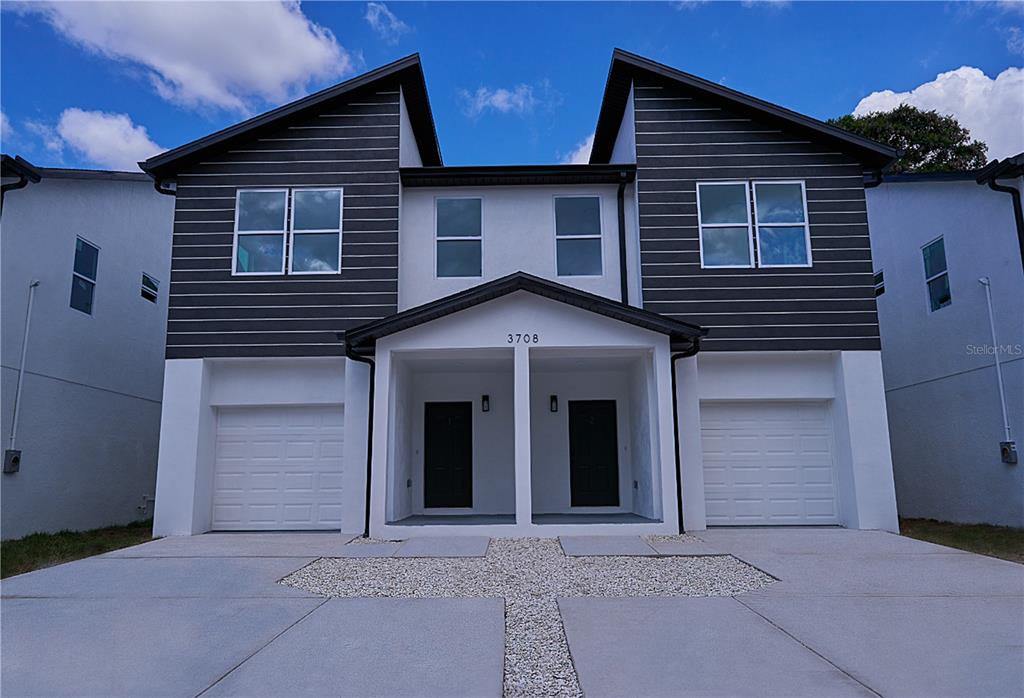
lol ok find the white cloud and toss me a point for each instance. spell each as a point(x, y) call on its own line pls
point(580, 155)
point(385, 23)
point(993, 110)
point(518, 100)
point(107, 140)
point(48, 135)
point(773, 4)
point(1015, 40)
point(220, 54)
point(6, 129)
point(689, 4)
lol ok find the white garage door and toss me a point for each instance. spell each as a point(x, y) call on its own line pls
point(278, 468)
point(768, 463)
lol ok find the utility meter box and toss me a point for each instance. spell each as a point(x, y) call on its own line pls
point(12, 461)
point(1007, 449)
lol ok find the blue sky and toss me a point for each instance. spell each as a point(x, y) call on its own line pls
point(99, 86)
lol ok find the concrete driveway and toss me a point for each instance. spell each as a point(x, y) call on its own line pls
point(854, 613)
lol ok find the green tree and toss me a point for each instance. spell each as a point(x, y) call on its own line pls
point(927, 140)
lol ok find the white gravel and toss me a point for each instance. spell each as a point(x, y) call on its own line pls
point(531, 574)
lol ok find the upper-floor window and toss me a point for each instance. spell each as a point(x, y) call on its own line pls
point(723, 209)
point(298, 230)
point(458, 232)
point(578, 235)
point(83, 275)
point(780, 218)
point(935, 274)
point(737, 218)
point(150, 288)
point(879, 281)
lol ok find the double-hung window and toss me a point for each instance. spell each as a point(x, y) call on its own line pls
point(459, 227)
point(150, 288)
point(936, 275)
point(738, 218)
point(578, 235)
point(723, 209)
point(83, 276)
point(293, 230)
point(780, 214)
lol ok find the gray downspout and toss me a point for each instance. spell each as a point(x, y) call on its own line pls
point(692, 351)
point(623, 280)
point(1018, 214)
point(350, 353)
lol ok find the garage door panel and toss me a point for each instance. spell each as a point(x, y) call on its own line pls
point(278, 467)
point(768, 463)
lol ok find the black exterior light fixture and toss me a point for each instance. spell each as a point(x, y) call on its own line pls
point(485, 403)
point(554, 403)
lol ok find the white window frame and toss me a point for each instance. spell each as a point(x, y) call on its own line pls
point(467, 238)
point(599, 237)
point(292, 232)
point(929, 279)
point(806, 225)
point(142, 287)
point(750, 229)
point(283, 232)
point(83, 276)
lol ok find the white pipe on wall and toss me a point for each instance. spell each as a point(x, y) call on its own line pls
point(21, 368)
point(987, 283)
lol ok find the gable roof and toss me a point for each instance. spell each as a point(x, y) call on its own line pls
point(408, 71)
point(1007, 168)
point(18, 166)
point(626, 66)
point(680, 333)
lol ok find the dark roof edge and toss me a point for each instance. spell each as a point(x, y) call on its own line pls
point(18, 166)
point(958, 176)
point(516, 174)
point(161, 161)
point(632, 59)
point(1007, 168)
point(367, 334)
point(71, 173)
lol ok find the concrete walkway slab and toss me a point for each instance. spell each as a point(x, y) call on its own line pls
point(691, 647)
point(134, 647)
point(99, 577)
point(381, 647)
point(580, 546)
point(818, 541)
point(311, 544)
point(671, 547)
point(368, 550)
point(454, 546)
point(900, 646)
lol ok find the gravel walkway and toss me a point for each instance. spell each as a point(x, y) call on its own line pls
point(531, 574)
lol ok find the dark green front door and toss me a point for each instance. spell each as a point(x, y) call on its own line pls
point(593, 453)
point(448, 454)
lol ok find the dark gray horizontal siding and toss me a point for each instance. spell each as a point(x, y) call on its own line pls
point(352, 144)
point(682, 139)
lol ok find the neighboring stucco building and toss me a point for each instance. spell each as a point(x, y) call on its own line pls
point(681, 333)
point(933, 238)
point(89, 411)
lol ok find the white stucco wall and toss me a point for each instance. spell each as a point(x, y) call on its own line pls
point(90, 410)
point(850, 382)
point(940, 380)
point(518, 234)
point(193, 391)
point(624, 150)
point(408, 152)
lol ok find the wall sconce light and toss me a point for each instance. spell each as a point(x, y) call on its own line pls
point(485, 403)
point(554, 403)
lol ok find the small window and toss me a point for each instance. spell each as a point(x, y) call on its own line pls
point(936, 275)
point(578, 235)
point(459, 237)
point(150, 288)
point(724, 213)
point(83, 276)
point(783, 239)
point(260, 231)
point(316, 231)
point(879, 278)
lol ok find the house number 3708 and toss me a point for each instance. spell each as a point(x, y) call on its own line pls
point(523, 338)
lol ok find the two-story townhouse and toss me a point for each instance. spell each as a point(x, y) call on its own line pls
point(84, 264)
point(681, 333)
point(949, 253)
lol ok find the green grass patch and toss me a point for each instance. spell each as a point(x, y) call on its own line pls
point(40, 550)
point(1003, 542)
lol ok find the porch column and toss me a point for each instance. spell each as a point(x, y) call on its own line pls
point(521, 414)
